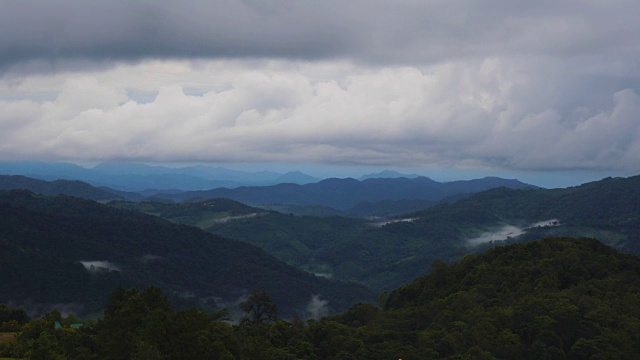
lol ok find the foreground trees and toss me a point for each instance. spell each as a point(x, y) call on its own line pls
point(550, 299)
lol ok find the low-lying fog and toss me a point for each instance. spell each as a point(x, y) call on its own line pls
point(507, 231)
point(385, 222)
point(99, 265)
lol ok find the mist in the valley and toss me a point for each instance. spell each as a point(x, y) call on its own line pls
point(99, 265)
point(508, 231)
point(317, 307)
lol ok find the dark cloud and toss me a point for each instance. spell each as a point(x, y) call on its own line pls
point(525, 85)
point(369, 31)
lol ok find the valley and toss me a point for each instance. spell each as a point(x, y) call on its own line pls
point(63, 252)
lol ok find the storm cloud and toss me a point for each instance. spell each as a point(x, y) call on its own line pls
point(370, 31)
point(494, 84)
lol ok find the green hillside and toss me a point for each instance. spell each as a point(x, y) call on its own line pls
point(45, 239)
point(556, 298)
point(385, 257)
point(58, 187)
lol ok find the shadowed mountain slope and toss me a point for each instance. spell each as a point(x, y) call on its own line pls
point(68, 250)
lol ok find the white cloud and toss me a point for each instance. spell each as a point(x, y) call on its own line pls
point(500, 84)
point(513, 112)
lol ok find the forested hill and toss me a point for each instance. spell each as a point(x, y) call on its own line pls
point(44, 241)
point(558, 298)
point(345, 193)
point(58, 187)
point(384, 257)
point(608, 209)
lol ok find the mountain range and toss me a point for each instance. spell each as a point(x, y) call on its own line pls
point(133, 177)
point(386, 254)
point(73, 253)
point(347, 197)
point(342, 194)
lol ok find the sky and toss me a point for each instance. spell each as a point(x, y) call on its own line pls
point(546, 91)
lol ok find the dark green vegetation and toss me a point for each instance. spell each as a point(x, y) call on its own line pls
point(44, 239)
point(59, 187)
point(608, 210)
point(388, 256)
point(557, 298)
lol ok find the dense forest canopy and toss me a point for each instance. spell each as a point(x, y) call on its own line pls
point(73, 251)
point(556, 298)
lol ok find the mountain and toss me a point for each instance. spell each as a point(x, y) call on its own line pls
point(127, 176)
point(557, 298)
point(296, 240)
point(67, 251)
point(44, 170)
point(296, 177)
point(59, 187)
point(392, 252)
point(386, 208)
point(387, 174)
point(342, 194)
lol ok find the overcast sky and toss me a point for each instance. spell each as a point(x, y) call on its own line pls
point(493, 86)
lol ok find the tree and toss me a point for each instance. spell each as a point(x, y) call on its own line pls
point(258, 308)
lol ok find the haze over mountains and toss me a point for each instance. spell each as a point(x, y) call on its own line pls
point(386, 254)
point(137, 177)
point(377, 194)
point(431, 220)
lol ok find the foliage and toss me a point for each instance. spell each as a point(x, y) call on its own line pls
point(386, 257)
point(43, 240)
point(258, 308)
point(59, 187)
point(556, 298)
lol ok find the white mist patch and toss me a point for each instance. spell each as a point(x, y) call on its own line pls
point(99, 265)
point(508, 231)
point(237, 217)
point(317, 308)
point(387, 222)
point(324, 275)
point(552, 222)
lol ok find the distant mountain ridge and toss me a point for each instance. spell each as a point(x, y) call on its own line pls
point(398, 250)
point(387, 174)
point(342, 194)
point(78, 189)
point(126, 176)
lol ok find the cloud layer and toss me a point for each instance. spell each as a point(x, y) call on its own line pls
point(494, 112)
point(498, 84)
point(369, 31)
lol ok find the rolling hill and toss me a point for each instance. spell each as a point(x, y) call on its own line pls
point(342, 194)
point(387, 256)
point(58, 187)
point(64, 250)
point(557, 298)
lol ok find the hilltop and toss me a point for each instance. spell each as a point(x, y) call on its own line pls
point(64, 250)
